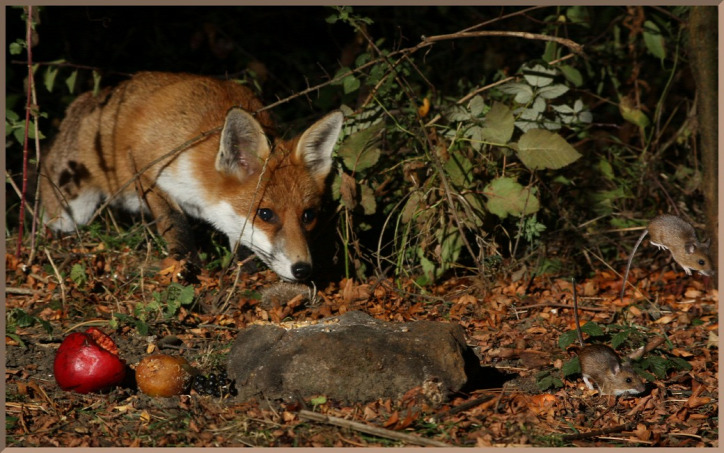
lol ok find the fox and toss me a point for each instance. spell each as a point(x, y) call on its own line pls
point(231, 170)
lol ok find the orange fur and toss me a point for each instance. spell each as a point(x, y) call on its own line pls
point(228, 178)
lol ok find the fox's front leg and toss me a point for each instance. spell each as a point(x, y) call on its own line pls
point(173, 226)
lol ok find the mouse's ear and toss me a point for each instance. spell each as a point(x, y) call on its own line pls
point(690, 247)
point(616, 368)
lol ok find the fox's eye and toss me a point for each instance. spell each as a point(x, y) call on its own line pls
point(308, 216)
point(265, 214)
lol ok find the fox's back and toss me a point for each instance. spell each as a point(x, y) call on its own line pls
point(153, 113)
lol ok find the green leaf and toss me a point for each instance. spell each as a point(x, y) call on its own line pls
point(553, 91)
point(606, 169)
point(538, 76)
point(77, 273)
point(412, 206)
point(96, 82)
point(350, 84)
point(450, 246)
point(507, 197)
point(316, 401)
point(523, 93)
point(49, 79)
point(567, 338)
point(476, 105)
point(592, 329)
point(367, 199)
point(681, 364)
point(654, 40)
point(619, 339)
point(358, 152)
point(632, 114)
point(186, 296)
point(499, 124)
point(459, 169)
point(538, 148)
point(70, 81)
point(572, 74)
point(571, 367)
point(16, 48)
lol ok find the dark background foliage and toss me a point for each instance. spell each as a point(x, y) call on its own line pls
point(282, 50)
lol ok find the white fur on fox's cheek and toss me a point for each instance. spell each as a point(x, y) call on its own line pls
point(239, 229)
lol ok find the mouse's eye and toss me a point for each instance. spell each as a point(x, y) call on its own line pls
point(628, 380)
point(701, 262)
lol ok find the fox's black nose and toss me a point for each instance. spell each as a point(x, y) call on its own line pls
point(301, 270)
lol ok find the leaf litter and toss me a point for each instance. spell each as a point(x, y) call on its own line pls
point(514, 327)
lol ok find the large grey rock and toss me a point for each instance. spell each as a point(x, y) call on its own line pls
point(352, 357)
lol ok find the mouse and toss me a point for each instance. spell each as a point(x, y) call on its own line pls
point(672, 233)
point(601, 365)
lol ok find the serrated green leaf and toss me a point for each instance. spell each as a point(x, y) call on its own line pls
point(186, 296)
point(592, 329)
point(499, 124)
point(538, 76)
point(539, 148)
point(523, 93)
point(77, 273)
point(657, 366)
point(506, 197)
point(553, 91)
point(567, 338)
point(476, 105)
point(619, 338)
point(456, 113)
point(358, 152)
point(571, 367)
point(680, 364)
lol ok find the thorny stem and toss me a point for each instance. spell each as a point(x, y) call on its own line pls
point(28, 107)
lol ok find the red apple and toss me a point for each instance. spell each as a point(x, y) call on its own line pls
point(88, 362)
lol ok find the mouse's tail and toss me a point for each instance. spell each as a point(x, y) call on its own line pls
point(630, 259)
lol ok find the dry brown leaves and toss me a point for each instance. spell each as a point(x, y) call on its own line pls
point(513, 325)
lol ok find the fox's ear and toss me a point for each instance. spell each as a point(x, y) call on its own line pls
point(316, 144)
point(243, 146)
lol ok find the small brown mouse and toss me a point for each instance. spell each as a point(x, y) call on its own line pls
point(601, 365)
point(670, 232)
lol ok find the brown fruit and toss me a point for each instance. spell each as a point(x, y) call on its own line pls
point(163, 375)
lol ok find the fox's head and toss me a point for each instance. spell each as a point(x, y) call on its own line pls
point(271, 195)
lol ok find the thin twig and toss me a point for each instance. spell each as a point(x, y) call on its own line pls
point(57, 275)
point(572, 45)
point(368, 429)
point(21, 291)
point(600, 432)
